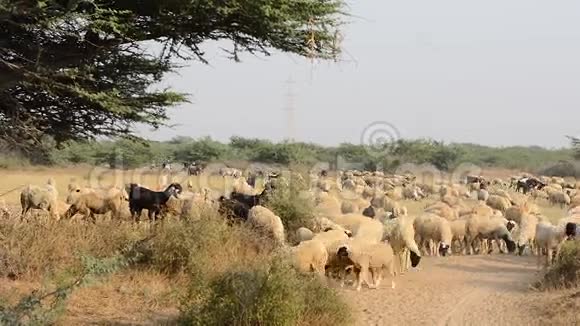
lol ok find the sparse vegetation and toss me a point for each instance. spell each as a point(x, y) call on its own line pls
point(200, 262)
point(565, 273)
point(270, 292)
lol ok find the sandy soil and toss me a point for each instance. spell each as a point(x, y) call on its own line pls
point(461, 290)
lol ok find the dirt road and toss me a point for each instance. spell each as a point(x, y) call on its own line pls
point(460, 290)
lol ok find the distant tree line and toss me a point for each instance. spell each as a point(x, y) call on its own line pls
point(124, 153)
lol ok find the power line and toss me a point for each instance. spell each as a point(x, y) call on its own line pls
point(290, 109)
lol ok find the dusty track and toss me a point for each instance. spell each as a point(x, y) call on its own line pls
point(461, 290)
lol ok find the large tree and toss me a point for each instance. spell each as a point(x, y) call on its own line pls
point(575, 142)
point(76, 69)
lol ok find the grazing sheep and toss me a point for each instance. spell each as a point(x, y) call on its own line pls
point(498, 202)
point(526, 232)
point(241, 186)
point(267, 222)
point(559, 197)
point(330, 237)
point(484, 210)
point(412, 192)
point(362, 227)
point(442, 209)
point(549, 238)
point(154, 201)
point(323, 224)
point(327, 205)
point(389, 205)
point(304, 234)
point(482, 195)
point(40, 197)
point(93, 203)
point(538, 194)
point(401, 235)
point(348, 207)
point(515, 213)
point(349, 184)
point(459, 231)
point(374, 259)
point(487, 228)
point(395, 194)
point(310, 256)
point(502, 193)
point(231, 172)
point(451, 200)
point(575, 201)
point(430, 227)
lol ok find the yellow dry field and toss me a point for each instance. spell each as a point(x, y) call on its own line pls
point(13, 181)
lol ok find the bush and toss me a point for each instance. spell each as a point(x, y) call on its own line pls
point(565, 272)
point(267, 293)
point(561, 169)
point(34, 249)
point(294, 209)
point(192, 246)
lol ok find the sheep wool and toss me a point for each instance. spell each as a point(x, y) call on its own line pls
point(265, 220)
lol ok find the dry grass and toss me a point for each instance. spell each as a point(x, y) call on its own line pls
point(560, 308)
point(148, 294)
point(132, 297)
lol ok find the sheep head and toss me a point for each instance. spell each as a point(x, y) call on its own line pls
point(510, 243)
point(444, 249)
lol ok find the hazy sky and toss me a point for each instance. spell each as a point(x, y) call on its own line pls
point(490, 72)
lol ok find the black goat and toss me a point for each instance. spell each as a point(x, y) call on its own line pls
point(369, 212)
point(141, 198)
point(527, 184)
point(233, 210)
point(252, 200)
point(571, 230)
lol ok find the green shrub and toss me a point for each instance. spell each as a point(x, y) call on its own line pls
point(263, 294)
point(565, 272)
point(294, 209)
point(202, 245)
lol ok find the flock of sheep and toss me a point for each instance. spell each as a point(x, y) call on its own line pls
point(360, 226)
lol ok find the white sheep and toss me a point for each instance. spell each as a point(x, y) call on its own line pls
point(498, 202)
point(400, 233)
point(433, 228)
point(442, 209)
point(310, 256)
point(459, 231)
point(322, 224)
point(559, 197)
point(482, 195)
point(349, 207)
point(412, 192)
point(549, 238)
point(369, 260)
point(361, 226)
point(516, 212)
point(489, 228)
point(329, 238)
point(526, 232)
point(96, 203)
point(304, 234)
point(40, 197)
point(267, 222)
